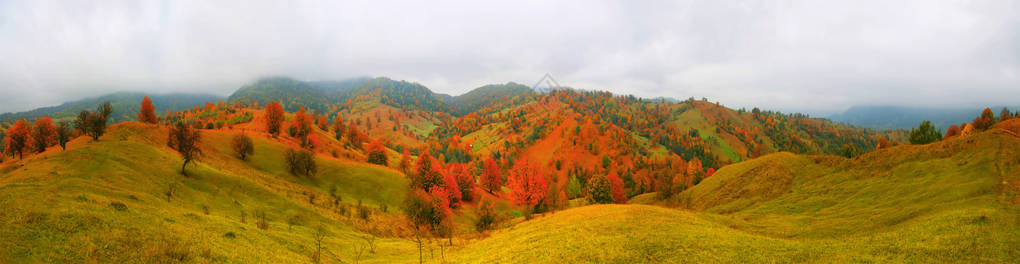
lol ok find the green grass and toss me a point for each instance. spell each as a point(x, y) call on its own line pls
point(57, 208)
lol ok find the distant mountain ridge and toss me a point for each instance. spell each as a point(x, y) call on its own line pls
point(897, 117)
point(125, 106)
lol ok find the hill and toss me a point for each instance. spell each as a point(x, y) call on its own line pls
point(107, 201)
point(487, 95)
point(952, 201)
point(290, 93)
point(125, 106)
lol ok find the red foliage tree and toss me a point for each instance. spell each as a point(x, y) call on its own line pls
point(616, 188)
point(17, 139)
point(453, 192)
point(302, 126)
point(147, 114)
point(377, 153)
point(465, 182)
point(323, 123)
point(527, 185)
point(986, 120)
point(953, 131)
point(491, 179)
point(884, 143)
point(44, 134)
point(405, 162)
point(274, 117)
point(426, 175)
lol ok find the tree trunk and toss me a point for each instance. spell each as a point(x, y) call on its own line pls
point(183, 166)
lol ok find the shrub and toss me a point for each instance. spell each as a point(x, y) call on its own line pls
point(363, 211)
point(986, 120)
point(242, 146)
point(118, 206)
point(952, 132)
point(616, 189)
point(230, 235)
point(261, 222)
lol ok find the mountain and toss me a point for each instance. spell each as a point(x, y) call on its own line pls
point(125, 106)
point(896, 117)
point(290, 93)
point(487, 95)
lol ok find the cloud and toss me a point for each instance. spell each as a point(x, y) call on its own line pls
point(813, 56)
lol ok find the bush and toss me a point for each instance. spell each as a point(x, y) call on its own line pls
point(118, 206)
point(301, 162)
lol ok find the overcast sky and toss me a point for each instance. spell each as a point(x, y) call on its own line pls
point(817, 57)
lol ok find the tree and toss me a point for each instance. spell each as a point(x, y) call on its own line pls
point(924, 134)
point(44, 134)
point(425, 174)
point(952, 132)
point(986, 120)
point(274, 117)
point(302, 126)
point(426, 210)
point(883, 143)
point(599, 190)
point(377, 153)
point(301, 162)
point(405, 162)
point(1004, 114)
point(323, 123)
point(849, 151)
point(453, 192)
point(64, 134)
point(465, 182)
point(185, 141)
point(491, 179)
point(93, 124)
point(338, 127)
point(147, 114)
point(17, 138)
point(616, 189)
point(528, 187)
point(243, 146)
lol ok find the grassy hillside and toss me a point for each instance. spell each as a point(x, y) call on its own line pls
point(953, 201)
point(62, 206)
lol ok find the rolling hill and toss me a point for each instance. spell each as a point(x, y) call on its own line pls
point(952, 201)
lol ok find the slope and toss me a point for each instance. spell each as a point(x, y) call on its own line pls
point(106, 201)
point(953, 201)
point(125, 106)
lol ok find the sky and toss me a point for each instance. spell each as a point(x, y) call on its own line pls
point(816, 57)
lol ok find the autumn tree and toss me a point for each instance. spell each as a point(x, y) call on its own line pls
point(242, 146)
point(323, 123)
point(377, 153)
point(599, 190)
point(147, 114)
point(1004, 114)
point(465, 182)
point(338, 127)
point(953, 131)
point(986, 120)
point(528, 187)
point(405, 162)
point(274, 118)
point(453, 192)
point(17, 139)
point(64, 134)
point(491, 179)
point(426, 175)
point(44, 134)
point(302, 126)
point(93, 124)
point(925, 133)
point(616, 189)
point(185, 140)
point(884, 143)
